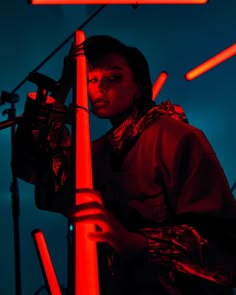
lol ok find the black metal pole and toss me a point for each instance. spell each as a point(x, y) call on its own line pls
point(15, 209)
point(60, 46)
point(12, 120)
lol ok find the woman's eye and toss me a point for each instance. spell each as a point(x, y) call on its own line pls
point(114, 77)
point(109, 78)
point(92, 80)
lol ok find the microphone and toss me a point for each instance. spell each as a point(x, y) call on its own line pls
point(42, 81)
point(44, 84)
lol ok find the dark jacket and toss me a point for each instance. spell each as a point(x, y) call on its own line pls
point(169, 187)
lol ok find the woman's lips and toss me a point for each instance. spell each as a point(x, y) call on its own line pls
point(100, 102)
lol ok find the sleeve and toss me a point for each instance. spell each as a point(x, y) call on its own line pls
point(199, 181)
point(41, 153)
point(193, 179)
point(180, 248)
point(202, 229)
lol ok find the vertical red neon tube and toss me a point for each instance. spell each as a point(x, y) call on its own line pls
point(46, 262)
point(86, 266)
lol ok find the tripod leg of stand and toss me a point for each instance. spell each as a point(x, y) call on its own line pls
point(16, 223)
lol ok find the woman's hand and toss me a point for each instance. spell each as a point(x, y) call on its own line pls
point(110, 231)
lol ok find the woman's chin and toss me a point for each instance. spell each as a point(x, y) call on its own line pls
point(101, 114)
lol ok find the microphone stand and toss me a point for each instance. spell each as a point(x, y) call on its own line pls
point(11, 112)
point(12, 97)
point(11, 122)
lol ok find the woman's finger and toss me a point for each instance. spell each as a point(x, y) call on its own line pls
point(106, 237)
point(97, 219)
point(85, 208)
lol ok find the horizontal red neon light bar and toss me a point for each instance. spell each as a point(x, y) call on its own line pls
point(212, 62)
point(36, 2)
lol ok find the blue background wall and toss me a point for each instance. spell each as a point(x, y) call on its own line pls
point(174, 38)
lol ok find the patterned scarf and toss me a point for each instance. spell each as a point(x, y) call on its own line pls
point(123, 136)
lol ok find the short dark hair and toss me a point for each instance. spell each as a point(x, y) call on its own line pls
point(97, 46)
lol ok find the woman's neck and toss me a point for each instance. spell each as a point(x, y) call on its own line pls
point(117, 120)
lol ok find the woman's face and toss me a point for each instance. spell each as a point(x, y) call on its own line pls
point(111, 87)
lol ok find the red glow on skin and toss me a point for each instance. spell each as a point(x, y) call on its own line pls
point(37, 2)
point(211, 63)
point(46, 262)
point(107, 83)
point(159, 84)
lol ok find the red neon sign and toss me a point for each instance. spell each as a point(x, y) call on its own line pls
point(212, 62)
point(36, 2)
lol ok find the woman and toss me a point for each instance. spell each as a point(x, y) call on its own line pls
point(166, 199)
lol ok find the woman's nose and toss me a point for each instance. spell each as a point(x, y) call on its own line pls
point(102, 84)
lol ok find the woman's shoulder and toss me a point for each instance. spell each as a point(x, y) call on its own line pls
point(166, 124)
point(169, 130)
point(173, 120)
